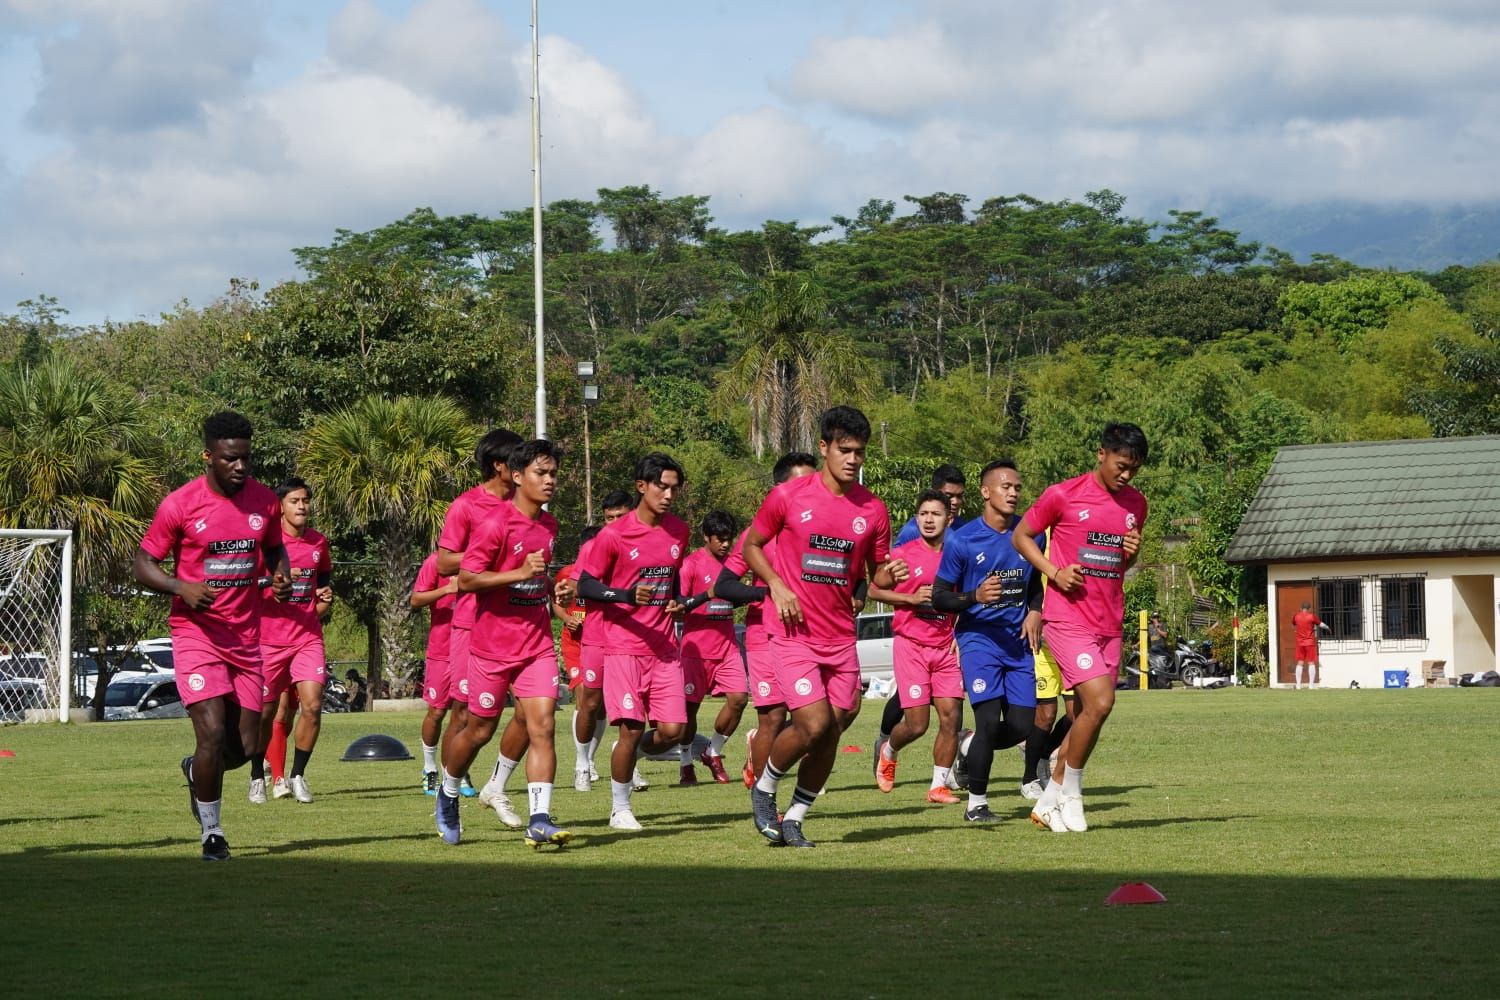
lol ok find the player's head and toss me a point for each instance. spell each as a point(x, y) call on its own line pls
point(533, 469)
point(1122, 452)
point(588, 534)
point(617, 504)
point(658, 481)
point(949, 481)
point(226, 451)
point(296, 502)
point(842, 435)
point(932, 514)
point(492, 454)
point(1307, 605)
point(719, 529)
point(1000, 485)
point(793, 465)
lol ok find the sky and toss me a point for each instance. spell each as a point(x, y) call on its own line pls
point(151, 150)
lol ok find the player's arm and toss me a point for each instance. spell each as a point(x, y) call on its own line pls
point(736, 591)
point(1024, 540)
point(281, 571)
point(1031, 626)
point(591, 589)
point(896, 597)
point(449, 562)
point(149, 574)
point(324, 605)
point(788, 608)
point(477, 580)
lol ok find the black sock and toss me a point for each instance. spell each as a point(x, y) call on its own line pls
point(987, 726)
point(892, 716)
point(1041, 743)
point(258, 769)
point(1055, 738)
point(299, 761)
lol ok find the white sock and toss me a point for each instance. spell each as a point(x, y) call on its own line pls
point(886, 751)
point(208, 818)
point(504, 766)
point(1072, 783)
point(940, 775)
point(769, 778)
point(619, 796)
point(802, 801)
point(1050, 795)
point(963, 746)
point(450, 785)
point(975, 801)
point(1298, 671)
point(540, 794)
point(429, 758)
point(599, 726)
point(716, 745)
point(1312, 675)
point(685, 754)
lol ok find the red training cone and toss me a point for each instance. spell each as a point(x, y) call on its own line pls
point(7, 753)
point(851, 748)
point(1134, 894)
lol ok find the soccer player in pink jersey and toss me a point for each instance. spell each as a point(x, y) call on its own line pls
point(505, 567)
point(588, 694)
point(1096, 521)
point(291, 649)
point(760, 663)
point(830, 533)
point(438, 592)
point(711, 661)
point(223, 532)
point(630, 572)
point(926, 662)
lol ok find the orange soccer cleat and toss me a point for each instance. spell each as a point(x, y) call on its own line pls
point(941, 796)
point(885, 772)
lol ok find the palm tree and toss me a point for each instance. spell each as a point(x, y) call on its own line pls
point(793, 366)
point(388, 468)
point(76, 454)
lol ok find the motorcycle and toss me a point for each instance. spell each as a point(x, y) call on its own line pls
point(335, 695)
point(1186, 662)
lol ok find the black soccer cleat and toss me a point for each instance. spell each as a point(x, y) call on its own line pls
point(187, 774)
point(980, 814)
point(215, 848)
point(791, 834)
point(961, 764)
point(763, 811)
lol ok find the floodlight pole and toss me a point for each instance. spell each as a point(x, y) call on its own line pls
point(536, 222)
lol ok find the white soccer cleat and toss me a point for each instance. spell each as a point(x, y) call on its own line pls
point(1048, 816)
point(279, 789)
point(582, 782)
point(1032, 790)
point(257, 791)
point(624, 819)
point(593, 772)
point(490, 795)
point(638, 781)
point(300, 789)
point(1071, 808)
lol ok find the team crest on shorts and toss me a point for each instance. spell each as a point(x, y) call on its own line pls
point(763, 688)
point(803, 686)
point(588, 675)
point(196, 682)
point(463, 685)
point(979, 685)
point(265, 691)
point(487, 700)
point(256, 522)
point(859, 526)
point(432, 693)
point(687, 689)
point(627, 702)
point(1041, 683)
point(1085, 661)
point(915, 690)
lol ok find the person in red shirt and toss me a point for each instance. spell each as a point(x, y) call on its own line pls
point(711, 661)
point(433, 590)
point(830, 534)
point(925, 658)
point(571, 614)
point(291, 648)
point(1095, 521)
point(588, 689)
point(630, 571)
point(1307, 623)
point(223, 533)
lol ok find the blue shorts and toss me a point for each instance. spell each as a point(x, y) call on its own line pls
point(993, 671)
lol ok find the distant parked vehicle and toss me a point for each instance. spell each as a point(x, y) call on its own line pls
point(17, 694)
point(873, 638)
point(143, 696)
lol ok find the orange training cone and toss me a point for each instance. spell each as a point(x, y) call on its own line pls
point(1135, 894)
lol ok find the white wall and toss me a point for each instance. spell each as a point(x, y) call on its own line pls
point(1368, 664)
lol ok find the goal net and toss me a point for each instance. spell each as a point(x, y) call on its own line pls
point(36, 596)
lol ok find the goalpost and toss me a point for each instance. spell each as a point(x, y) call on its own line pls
point(36, 624)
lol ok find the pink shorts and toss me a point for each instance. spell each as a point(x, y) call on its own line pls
point(283, 666)
point(458, 665)
point(1081, 655)
point(811, 672)
point(925, 672)
point(591, 658)
point(726, 675)
point(435, 683)
point(764, 687)
point(490, 680)
point(203, 673)
point(643, 688)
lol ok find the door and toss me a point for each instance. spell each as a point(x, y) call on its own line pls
point(1289, 597)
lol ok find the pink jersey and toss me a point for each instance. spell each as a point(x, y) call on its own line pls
point(922, 625)
point(221, 541)
point(295, 621)
point(592, 633)
point(824, 544)
point(441, 612)
point(1088, 524)
point(755, 617)
point(707, 630)
point(629, 553)
point(469, 509)
point(512, 624)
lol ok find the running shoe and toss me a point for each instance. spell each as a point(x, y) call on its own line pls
point(791, 834)
point(689, 776)
point(300, 789)
point(1032, 790)
point(715, 767)
point(466, 787)
point(638, 780)
point(961, 763)
point(880, 742)
point(215, 848)
point(582, 782)
point(1047, 816)
point(430, 783)
point(497, 800)
point(1071, 807)
point(593, 772)
point(623, 819)
point(885, 769)
point(748, 773)
point(257, 794)
point(941, 796)
point(980, 814)
point(543, 831)
point(763, 812)
point(279, 789)
point(187, 774)
point(446, 812)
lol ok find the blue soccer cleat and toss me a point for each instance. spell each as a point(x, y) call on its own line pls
point(447, 818)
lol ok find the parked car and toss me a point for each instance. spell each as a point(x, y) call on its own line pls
point(872, 634)
point(17, 694)
point(143, 696)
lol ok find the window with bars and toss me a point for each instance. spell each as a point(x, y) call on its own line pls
point(1341, 606)
point(1401, 610)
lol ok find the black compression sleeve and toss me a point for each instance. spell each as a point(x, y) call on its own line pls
point(729, 587)
point(592, 590)
point(697, 600)
point(1036, 589)
point(945, 598)
point(861, 590)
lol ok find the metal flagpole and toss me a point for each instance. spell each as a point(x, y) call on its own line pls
point(536, 222)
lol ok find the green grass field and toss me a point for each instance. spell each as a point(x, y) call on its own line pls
point(1307, 842)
